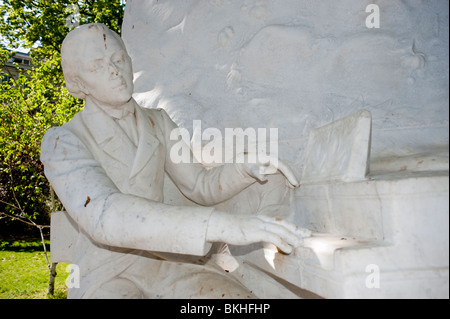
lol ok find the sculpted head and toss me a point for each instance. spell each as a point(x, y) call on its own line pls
point(96, 65)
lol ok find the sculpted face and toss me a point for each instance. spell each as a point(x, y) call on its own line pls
point(104, 72)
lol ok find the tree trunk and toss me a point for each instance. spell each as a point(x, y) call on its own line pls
point(51, 281)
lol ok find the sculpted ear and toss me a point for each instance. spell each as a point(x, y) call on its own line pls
point(82, 87)
point(76, 87)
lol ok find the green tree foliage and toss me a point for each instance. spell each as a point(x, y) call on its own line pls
point(44, 22)
point(37, 99)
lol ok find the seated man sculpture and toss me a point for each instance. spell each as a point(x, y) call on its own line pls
point(107, 166)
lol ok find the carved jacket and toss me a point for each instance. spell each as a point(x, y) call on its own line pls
point(113, 190)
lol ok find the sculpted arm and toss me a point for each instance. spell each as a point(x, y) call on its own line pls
point(212, 186)
point(111, 217)
point(209, 187)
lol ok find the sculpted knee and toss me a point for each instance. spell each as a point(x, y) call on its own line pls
point(118, 288)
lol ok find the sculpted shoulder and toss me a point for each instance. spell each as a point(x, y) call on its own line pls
point(160, 119)
point(155, 115)
point(55, 135)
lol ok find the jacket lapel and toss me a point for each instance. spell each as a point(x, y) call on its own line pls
point(148, 143)
point(112, 139)
point(108, 135)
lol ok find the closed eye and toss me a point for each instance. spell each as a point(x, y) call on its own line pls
point(95, 65)
point(119, 58)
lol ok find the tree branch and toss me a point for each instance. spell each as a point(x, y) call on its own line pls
point(21, 219)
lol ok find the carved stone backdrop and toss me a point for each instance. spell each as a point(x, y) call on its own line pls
point(296, 65)
point(358, 91)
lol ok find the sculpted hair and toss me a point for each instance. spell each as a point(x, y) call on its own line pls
point(70, 62)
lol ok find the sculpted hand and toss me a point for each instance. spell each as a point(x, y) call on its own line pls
point(272, 165)
point(245, 230)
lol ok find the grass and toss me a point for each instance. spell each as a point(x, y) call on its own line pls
point(24, 273)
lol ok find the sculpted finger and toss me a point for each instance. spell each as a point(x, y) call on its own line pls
point(298, 231)
point(279, 243)
point(293, 233)
point(260, 174)
point(285, 234)
point(287, 172)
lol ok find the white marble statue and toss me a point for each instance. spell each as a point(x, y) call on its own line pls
point(358, 90)
point(107, 166)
